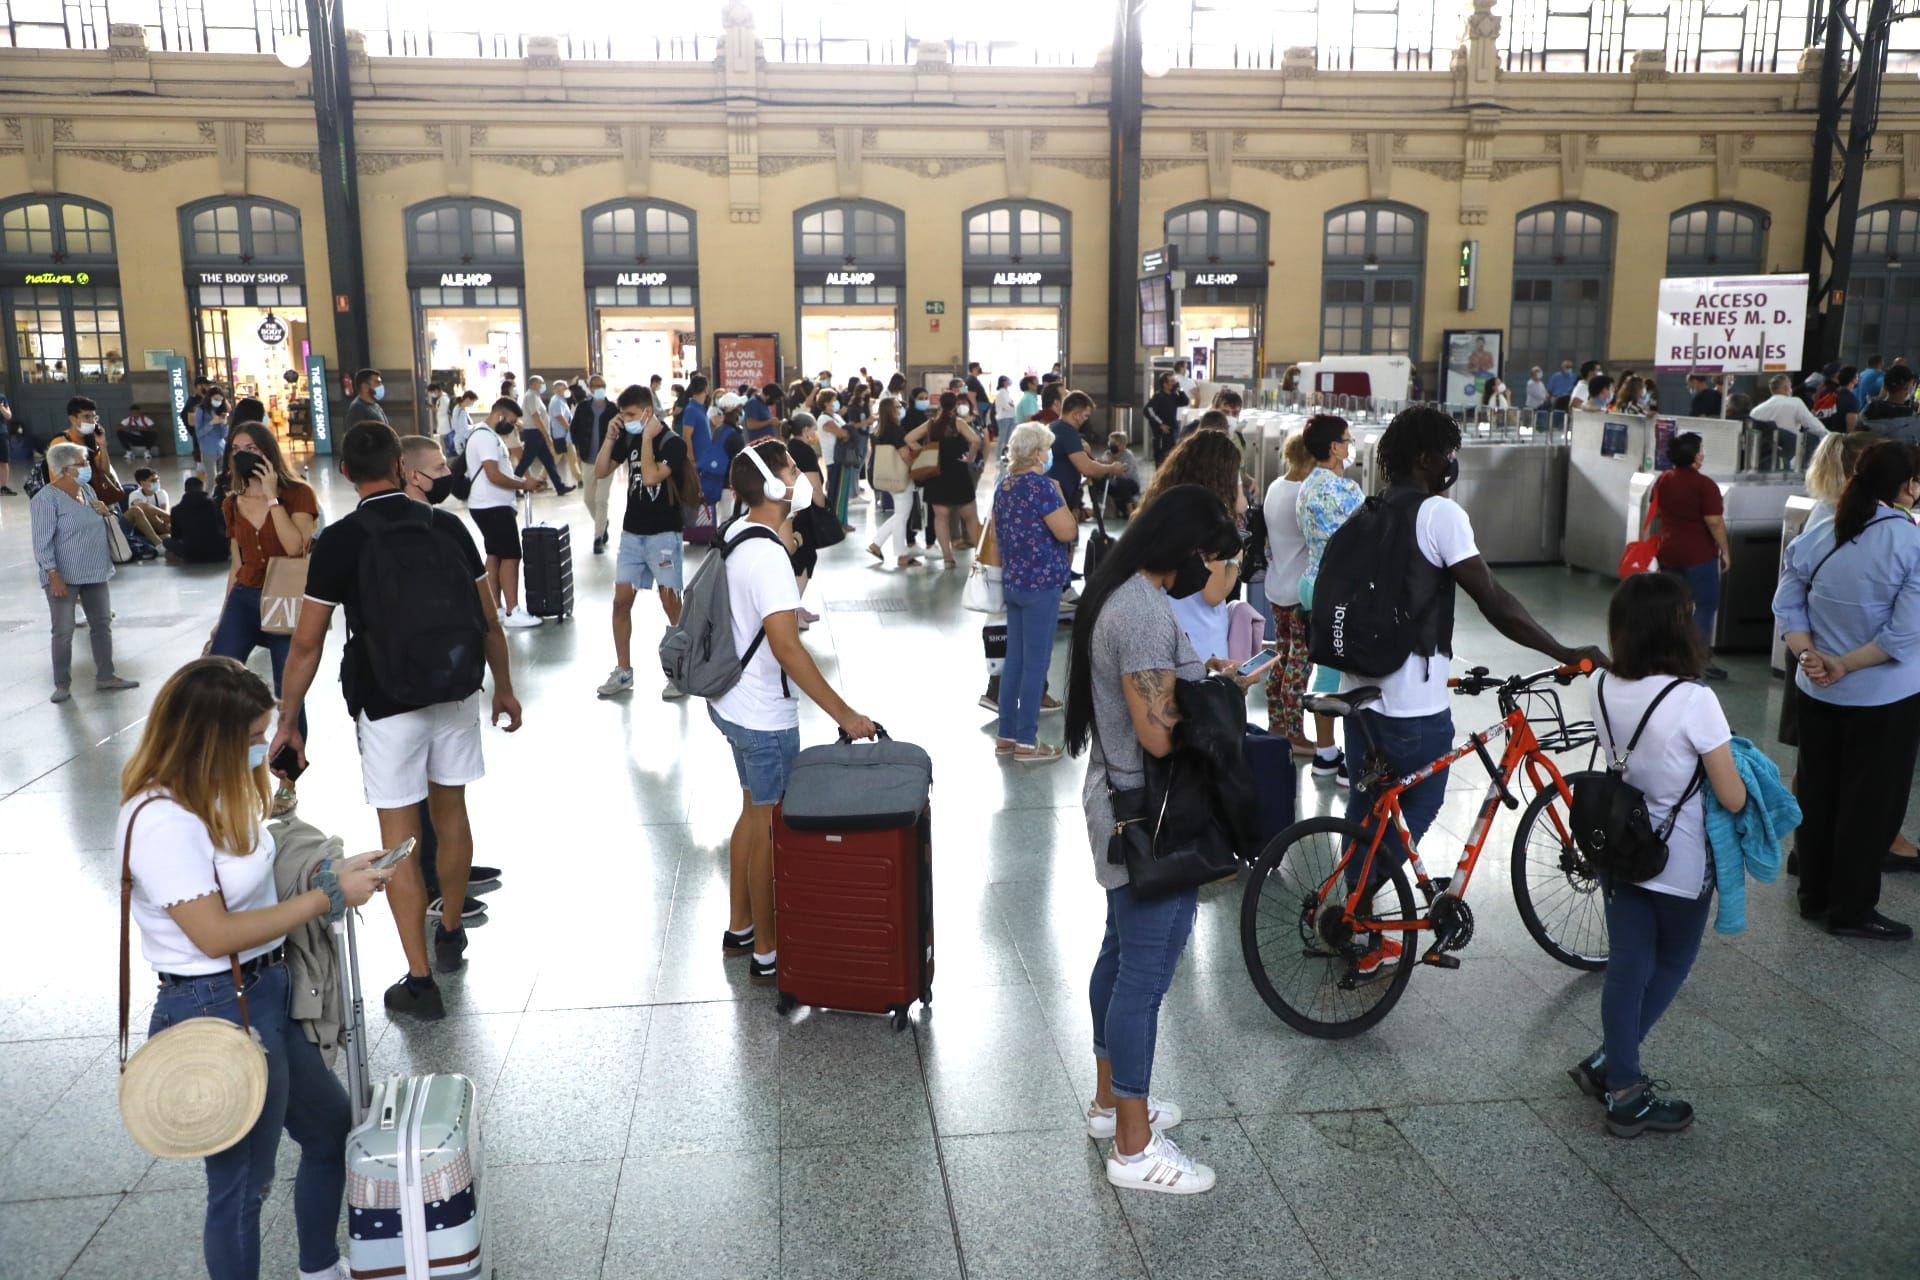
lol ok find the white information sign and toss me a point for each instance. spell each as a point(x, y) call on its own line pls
point(1731, 324)
point(1233, 360)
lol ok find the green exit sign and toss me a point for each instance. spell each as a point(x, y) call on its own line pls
point(935, 307)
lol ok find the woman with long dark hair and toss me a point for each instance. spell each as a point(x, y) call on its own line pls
point(953, 489)
point(1128, 651)
point(1848, 605)
point(899, 505)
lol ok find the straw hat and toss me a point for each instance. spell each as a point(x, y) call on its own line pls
point(194, 1089)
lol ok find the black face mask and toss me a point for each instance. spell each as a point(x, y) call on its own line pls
point(440, 489)
point(506, 426)
point(1190, 577)
point(1453, 474)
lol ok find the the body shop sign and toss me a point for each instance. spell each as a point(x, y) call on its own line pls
point(177, 396)
point(320, 412)
point(1731, 324)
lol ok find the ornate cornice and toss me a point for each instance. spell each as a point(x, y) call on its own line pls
point(1153, 168)
point(1648, 170)
point(1504, 169)
point(135, 161)
point(1085, 166)
point(712, 166)
point(935, 166)
point(1300, 170)
point(547, 165)
point(773, 165)
point(382, 161)
point(308, 160)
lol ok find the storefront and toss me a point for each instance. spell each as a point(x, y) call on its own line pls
point(60, 304)
point(467, 281)
point(246, 285)
point(1016, 265)
point(1223, 251)
point(850, 278)
point(643, 275)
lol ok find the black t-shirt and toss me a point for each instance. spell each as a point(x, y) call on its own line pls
point(652, 508)
point(1706, 404)
point(803, 455)
point(197, 525)
point(333, 573)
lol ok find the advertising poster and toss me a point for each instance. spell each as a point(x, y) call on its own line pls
point(1233, 360)
point(1469, 360)
point(177, 396)
point(1731, 324)
point(320, 408)
point(746, 359)
point(1663, 434)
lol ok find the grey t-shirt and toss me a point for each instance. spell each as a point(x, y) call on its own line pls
point(1136, 632)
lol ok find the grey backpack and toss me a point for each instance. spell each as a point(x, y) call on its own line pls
point(698, 654)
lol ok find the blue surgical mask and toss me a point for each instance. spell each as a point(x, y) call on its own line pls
point(85, 476)
point(256, 755)
point(636, 426)
point(920, 404)
point(380, 392)
point(599, 393)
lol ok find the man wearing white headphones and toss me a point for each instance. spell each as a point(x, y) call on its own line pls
point(759, 715)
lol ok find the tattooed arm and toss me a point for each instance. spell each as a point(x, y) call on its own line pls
point(1150, 702)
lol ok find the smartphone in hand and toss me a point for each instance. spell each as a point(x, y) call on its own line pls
point(392, 857)
point(287, 763)
point(1259, 662)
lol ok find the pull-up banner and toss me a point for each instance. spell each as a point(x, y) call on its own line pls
point(1731, 324)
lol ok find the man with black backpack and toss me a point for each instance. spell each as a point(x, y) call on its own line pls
point(422, 632)
point(1383, 616)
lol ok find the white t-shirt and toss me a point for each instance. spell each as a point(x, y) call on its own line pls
point(174, 861)
point(1789, 412)
point(157, 499)
point(1006, 403)
point(1419, 688)
point(1579, 393)
point(459, 426)
point(443, 414)
point(1286, 544)
point(829, 443)
point(559, 412)
point(535, 408)
point(759, 584)
point(1687, 725)
point(484, 444)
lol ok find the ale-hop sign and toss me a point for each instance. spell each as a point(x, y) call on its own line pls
point(1731, 324)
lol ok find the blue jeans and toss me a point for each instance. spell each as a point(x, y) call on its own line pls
point(1137, 958)
point(762, 758)
point(303, 1097)
point(239, 634)
point(1032, 617)
point(1652, 939)
point(1704, 581)
point(1407, 743)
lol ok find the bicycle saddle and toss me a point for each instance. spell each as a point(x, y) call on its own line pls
point(1341, 704)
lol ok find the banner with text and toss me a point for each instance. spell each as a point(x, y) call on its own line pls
point(177, 397)
point(746, 359)
point(1731, 324)
point(319, 406)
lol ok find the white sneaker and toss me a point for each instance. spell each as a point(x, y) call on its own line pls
point(1160, 1166)
point(617, 683)
point(1101, 1122)
point(672, 693)
point(519, 620)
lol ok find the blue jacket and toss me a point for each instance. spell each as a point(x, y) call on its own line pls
point(1748, 843)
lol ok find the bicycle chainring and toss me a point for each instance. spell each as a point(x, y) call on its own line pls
point(1333, 928)
point(1452, 923)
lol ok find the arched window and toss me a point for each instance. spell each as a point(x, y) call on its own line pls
point(243, 253)
point(1562, 260)
point(1372, 260)
point(641, 253)
point(464, 232)
point(1017, 252)
point(860, 240)
point(62, 313)
point(1716, 239)
point(1883, 296)
point(1218, 233)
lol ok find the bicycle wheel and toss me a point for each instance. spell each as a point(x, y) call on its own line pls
point(1557, 892)
point(1299, 952)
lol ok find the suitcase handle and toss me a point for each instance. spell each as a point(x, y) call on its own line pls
point(390, 1103)
point(880, 734)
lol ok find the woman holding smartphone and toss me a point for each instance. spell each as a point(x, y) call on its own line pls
point(201, 862)
point(269, 515)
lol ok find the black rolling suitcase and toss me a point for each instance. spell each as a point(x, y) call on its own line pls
point(547, 563)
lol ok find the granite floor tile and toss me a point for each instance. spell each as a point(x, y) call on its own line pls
point(1037, 1204)
point(39, 1239)
point(77, 1146)
point(551, 1220)
point(710, 1082)
point(820, 1051)
point(542, 1113)
point(865, 1212)
point(991, 1065)
point(153, 1234)
point(707, 1216)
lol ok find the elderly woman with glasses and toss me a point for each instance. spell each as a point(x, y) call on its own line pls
point(70, 550)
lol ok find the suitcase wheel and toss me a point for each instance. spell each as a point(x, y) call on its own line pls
point(900, 1017)
point(785, 1004)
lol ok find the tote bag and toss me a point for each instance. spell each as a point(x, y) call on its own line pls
point(890, 474)
point(280, 594)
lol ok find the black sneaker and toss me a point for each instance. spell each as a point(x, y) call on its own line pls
point(417, 999)
point(472, 910)
point(1793, 862)
point(1590, 1075)
point(1643, 1109)
point(449, 949)
point(741, 941)
point(478, 875)
point(600, 545)
point(1716, 673)
point(1873, 926)
point(1325, 768)
point(763, 972)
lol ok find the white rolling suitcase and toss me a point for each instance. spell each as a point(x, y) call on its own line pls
point(416, 1204)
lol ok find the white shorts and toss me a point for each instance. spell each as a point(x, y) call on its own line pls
point(401, 754)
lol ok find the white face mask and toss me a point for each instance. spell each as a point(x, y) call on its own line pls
point(801, 495)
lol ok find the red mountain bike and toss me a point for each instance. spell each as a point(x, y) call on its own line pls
point(1324, 892)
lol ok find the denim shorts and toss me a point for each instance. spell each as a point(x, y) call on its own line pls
point(649, 560)
point(762, 757)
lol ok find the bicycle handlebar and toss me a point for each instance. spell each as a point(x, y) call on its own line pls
point(1478, 680)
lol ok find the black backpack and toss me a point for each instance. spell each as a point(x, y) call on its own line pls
point(425, 635)
point(1365, 617)
point(1610, 820)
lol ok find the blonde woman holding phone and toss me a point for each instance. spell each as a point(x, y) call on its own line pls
point(200, 861)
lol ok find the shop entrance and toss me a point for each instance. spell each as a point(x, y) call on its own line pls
point(638, 342)
point(1202, 324)
point(252, 349)
point(474, 346)
point(1014, 341)
point(847, 338)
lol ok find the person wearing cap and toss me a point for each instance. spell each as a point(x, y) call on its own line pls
point(212, 923)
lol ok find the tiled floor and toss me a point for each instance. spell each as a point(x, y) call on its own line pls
point(649, 1114)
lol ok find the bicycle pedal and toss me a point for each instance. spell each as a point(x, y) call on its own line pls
point(1440, 960)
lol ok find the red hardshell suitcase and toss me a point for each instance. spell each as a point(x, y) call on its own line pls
point(853, 879)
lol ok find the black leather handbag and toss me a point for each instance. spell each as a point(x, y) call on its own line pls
point(1154, 869)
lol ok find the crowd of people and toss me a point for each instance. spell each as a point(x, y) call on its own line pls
point(755, 483)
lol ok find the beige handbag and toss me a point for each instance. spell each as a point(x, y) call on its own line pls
point(280, 594)
point(199, 1086)
point(890, 474)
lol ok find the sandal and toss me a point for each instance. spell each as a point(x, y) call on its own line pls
point(1003, 746)
point(876, 553)
point(1041, 753)
point(910, 562)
